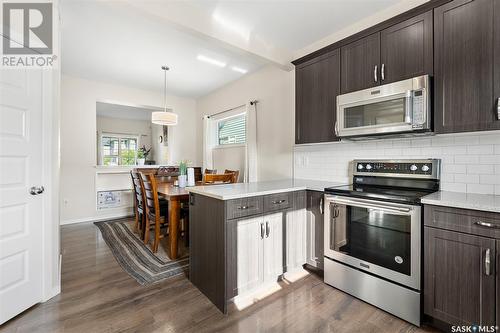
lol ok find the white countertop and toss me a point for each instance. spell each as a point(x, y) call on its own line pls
point(484, 202)
point(244, 190)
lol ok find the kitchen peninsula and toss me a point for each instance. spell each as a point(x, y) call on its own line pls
point(245, 236)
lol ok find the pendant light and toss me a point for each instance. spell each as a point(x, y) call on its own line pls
point(165, 117)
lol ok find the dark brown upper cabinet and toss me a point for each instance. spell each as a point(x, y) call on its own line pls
point(466, 67)
point(361, 64)
point(459, 285)
point(406, 49)
point(317, 85)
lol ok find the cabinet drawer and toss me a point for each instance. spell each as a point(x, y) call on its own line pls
point(464, 220)
point(278, 201)
point(243, 207)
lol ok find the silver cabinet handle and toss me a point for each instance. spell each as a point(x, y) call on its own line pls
point(336, 128)
point(375, 72)
point(382, 72)
point(321, 208)
point(278, 202)
point(36, 190)
point(262, 231)
point(244, 207)
point(487, 262)
point(498, 108)
point(487, 224)
point(267, 229)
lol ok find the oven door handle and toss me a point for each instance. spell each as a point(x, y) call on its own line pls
point(363, 204)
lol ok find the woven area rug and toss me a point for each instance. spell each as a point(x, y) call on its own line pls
point(136, 258)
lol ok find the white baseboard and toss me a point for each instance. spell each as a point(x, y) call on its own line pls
point(97, 218)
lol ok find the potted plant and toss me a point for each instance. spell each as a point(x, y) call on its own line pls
point(142, 154)
point(182, 179)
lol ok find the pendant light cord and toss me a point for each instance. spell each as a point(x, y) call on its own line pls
point(165, 69)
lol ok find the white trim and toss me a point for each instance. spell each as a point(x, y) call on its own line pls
point(97, 219)
point(231, 145)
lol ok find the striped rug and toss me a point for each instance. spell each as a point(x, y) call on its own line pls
point(136, 258)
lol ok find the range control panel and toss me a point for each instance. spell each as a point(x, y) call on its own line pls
point(399, 168)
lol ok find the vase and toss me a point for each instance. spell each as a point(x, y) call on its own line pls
point(182, 179)
point(141, 161)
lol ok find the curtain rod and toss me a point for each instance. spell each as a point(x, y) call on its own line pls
point(231, 109)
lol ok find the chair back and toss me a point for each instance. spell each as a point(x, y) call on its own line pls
point(235, 173)
point(138, 195)
point(210, 171)
point(149, 188)
point(167, 174)
point(213, 179)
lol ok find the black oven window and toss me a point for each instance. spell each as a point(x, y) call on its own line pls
point(374, 236)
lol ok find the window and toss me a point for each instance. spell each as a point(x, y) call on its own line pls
point(118, 150)
point(232, 130)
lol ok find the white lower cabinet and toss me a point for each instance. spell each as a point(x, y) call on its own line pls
point(296, 232)
point(259, 251)
point(250, 251)
point(273, 246)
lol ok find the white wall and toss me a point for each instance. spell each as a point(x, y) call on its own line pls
point(274, 89)
point(78, 139)
point(470, 162)
point(231, 158)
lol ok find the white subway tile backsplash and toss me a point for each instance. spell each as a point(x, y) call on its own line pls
point(470, 162)
point(481, 188)
point(480, 149)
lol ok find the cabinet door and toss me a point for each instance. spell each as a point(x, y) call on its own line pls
point(317, 85)
point(464, 66)
point(458, 288)
point(314, 242)
point(498, 283)
point(360, 64)
point(406, 49)
point(249, 245)
point(273, 246)
point(296, 233)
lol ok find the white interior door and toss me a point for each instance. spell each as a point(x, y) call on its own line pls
point(20, 169)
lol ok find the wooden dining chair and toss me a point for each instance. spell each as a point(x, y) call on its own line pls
point(156, 213)
point(210, 171)
point(218, 179)
point(235, 173)
point(139, 211)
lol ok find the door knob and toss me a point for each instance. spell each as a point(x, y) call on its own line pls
point(36, 190)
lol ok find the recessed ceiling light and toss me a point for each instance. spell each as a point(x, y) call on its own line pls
point(211, 61)
point(239, 70)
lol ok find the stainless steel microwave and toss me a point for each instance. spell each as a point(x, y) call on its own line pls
point(399, 107)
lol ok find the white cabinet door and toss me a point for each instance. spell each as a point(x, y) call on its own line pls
point(249, 236)
point(20, 212)
point(296, 235)
point(273, 246)
point(314, 240)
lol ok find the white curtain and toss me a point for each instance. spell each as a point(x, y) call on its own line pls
point(251, 146)
point(207, 144)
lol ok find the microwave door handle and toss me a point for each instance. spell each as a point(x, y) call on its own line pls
point(408, 107)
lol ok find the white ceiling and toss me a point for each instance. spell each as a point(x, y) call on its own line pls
point(126, 42)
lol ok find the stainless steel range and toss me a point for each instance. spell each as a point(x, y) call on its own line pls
point(373, 233)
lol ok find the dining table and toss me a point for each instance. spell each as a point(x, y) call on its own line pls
point(175, 196)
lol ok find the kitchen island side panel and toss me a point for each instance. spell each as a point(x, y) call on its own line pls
point(207, 247)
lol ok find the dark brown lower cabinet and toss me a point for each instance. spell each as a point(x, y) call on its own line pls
point(459, 283)
point(498, 283)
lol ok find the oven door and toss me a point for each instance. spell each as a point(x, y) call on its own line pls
point(375, 236)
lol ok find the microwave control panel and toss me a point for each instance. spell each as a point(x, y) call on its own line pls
point(418, 109)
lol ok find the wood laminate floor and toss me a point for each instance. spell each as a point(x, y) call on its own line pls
point(98, 296)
